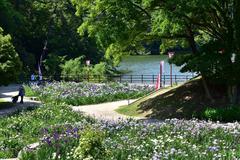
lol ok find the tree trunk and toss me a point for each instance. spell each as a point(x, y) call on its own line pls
point(192, 43)
point(206, 89)
point(191, 40)
point(233, 94)
point(236, 21)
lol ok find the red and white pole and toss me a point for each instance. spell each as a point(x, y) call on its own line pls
point(170, 55)
point(161, 72)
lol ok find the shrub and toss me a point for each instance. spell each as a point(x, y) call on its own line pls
point(52, 64)
point(72, 68)
point(10, 64)
point(90, 145)
point(228, 114)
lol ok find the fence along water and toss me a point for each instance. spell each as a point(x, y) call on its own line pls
point(137, 79)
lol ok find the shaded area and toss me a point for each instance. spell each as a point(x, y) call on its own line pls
point(9, 91)
point(186, 101)
point(5, 105)
point(9, 108)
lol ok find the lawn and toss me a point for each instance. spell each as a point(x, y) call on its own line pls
point(134, 110)
point(186, 101)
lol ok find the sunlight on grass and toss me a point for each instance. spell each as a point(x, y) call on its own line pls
point(133, 109)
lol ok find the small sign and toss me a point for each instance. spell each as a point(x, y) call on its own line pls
point(171, 54)
point(88, 62)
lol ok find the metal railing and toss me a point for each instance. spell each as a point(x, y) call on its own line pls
point(166, 80)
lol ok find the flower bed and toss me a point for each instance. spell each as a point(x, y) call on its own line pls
point(88, 93)
point(172, 139)
point(21, 129)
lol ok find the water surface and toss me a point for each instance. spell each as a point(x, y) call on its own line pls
point(147, 65)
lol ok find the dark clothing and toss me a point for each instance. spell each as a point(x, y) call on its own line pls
point(21, 99)
point(21, 93)
point(15, 99)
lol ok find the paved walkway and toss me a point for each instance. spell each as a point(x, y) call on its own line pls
point(104, 111)
point(6, 92)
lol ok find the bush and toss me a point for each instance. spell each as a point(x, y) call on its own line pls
point(10, 64)
point(75, 69)
point(72, 68)
point(90, 145)
point(229, 114)
point(52, 64)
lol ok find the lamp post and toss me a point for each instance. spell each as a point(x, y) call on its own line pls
point(161, 73)
point(170, 55)
point(233, 58)
point(88, 62)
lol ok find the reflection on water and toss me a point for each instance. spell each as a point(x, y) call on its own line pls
point(147, 65)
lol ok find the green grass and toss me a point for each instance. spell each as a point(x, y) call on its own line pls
point(29, 91)
point(186, 101)
point(5, 105)
point(134, 110)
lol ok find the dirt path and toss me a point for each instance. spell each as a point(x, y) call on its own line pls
point(104, 111)
point(6, 92)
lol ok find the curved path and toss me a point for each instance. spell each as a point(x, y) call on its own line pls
point(6, 92)
point(104, 111)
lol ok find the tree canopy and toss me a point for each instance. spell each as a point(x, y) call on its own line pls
point(210, 28)
point(10, 65)
point(32, 22)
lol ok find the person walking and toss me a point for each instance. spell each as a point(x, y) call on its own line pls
point(33, 77)
point(21, 93)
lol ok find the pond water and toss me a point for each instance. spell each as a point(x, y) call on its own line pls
point(147, 65)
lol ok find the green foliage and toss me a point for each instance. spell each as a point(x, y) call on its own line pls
point(73, 67)
point(118, 26)
point(25, 128)
point(41, 20)
point(228, 114)
point(52, 64)
point(10, 65)
point(203, 26)
point(90, 145)
point(100, 70)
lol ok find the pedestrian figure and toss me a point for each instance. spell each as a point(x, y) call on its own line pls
point(32, 77)
point(21, 93)
point(40, 77)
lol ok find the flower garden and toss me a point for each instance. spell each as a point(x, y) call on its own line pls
point(87, 93)
point(66, 135)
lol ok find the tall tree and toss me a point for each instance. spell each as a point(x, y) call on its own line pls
point(31, 22)
point(118, 26)
point(209, 28)
point(10, 65)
